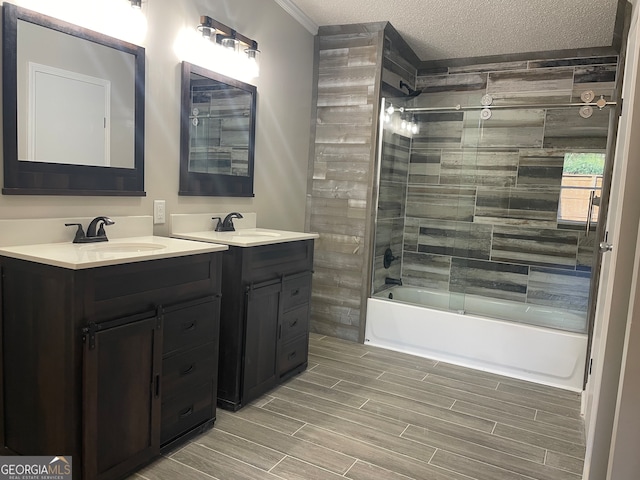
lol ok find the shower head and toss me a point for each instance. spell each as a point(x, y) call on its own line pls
point(412, 93)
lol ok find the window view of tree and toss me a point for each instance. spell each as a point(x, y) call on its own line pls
point(582, 174)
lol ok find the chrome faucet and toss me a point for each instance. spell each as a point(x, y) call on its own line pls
point(226, 225)
point(92, 235)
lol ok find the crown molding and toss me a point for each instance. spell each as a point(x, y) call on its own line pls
point(302, 18)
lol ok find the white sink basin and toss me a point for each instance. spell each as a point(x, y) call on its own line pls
point(255, 233)
point(252, 235)
point(123, 247)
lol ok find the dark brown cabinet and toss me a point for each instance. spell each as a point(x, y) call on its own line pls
point(264, 330)
point(121, 395)
point(110, 365)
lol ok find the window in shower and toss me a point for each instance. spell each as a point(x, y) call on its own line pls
point(581, 188)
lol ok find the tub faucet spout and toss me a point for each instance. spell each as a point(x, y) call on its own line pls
point(392, 281)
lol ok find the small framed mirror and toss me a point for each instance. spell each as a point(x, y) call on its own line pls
point(217, 134)
point(73, 109)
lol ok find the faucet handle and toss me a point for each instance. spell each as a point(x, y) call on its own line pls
point(218, 224)
point(79, 232)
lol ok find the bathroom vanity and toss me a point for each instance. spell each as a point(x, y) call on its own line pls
point(109, 351)
point(264, 328)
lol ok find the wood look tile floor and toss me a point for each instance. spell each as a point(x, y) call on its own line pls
point(365, 413)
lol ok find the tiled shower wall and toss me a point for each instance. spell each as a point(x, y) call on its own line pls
point(482, 196)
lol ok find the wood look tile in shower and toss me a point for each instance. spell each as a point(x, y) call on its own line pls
point(475, 167)
point(554, 248)
point(559, 288)
point(573, 62)
point(411, 231)
point(391, 201)
point(598, 78)
point(530, 98)
point(532, 206)
point(424, 167)
point(490, 279)
point(586, 250)
point(521, 128)
point(452, 83)
point(565, 128)
point(489, 67)
point(458, 239)
point(532, 80)
point(441, 202)
point(394, 166)
point(428, 271)
point(438, 130)
point(540, 167)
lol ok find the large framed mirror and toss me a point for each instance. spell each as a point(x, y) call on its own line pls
point(73, 109)
point(217, 134)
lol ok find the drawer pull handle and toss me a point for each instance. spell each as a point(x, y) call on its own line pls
point(291, 356)
point(186, 412)
point(294, 323)
point(187, 327)
point(188, 370)
point(295, 292)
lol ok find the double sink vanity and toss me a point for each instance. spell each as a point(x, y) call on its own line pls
point(116, 351)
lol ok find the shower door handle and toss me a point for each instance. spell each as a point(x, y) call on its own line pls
point(594, 200)
point(605, 247)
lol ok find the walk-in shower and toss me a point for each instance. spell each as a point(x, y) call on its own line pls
point(490, 223)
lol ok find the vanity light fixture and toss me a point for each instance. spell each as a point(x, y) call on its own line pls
point(229, 38)
point(206, 27)
point(136, 4)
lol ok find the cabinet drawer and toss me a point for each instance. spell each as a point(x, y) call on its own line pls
point(272, 261)
point(130, 288)
point(183, 412)
point(294, 322)
point(296, 291)
point(293, 354)
point(190, 325)
point(188, 369)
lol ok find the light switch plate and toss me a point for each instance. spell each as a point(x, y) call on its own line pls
point(159, 212)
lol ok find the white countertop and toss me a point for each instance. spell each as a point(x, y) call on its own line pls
point(246, 237)
point(77, 256)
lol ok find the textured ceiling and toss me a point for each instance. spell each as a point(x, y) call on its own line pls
point(446, 29)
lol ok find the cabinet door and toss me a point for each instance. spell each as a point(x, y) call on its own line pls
point(121, 389)
point(261, 339)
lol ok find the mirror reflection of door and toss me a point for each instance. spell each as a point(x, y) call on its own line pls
point(69, 117)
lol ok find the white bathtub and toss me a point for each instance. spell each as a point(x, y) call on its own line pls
point(538, 354)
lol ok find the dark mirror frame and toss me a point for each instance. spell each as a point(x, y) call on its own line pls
point(212, 184)
point(40, 178)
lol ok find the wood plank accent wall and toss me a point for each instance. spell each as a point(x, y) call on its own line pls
point(348, 60)
point(351, 62)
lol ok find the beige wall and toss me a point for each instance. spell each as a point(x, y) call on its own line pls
point(282, 128)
